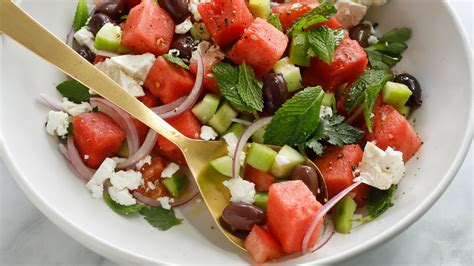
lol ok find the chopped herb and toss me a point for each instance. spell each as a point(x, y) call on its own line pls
point(323, 41)
point(248, 88)
point(121, 209)
point(95, 109)
point(274, 19)
point(320, 14)
point(176, 60)
point(74, 91)
point(70, 127)
point(297, 119)
point(387, 52)
point(124, 17)
point(81, 16)
point(160, 218)
point(379, 202)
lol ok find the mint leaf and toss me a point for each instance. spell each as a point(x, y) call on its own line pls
point(160, 218)
point(370, 77)
point(297, 119)
point(274, 19)
point(121, 209)
point(81, 16)
point(323, 41)
point(248, 88)
point(379, 202)
point(176, 60)
point(387, 52)
point(227, 77)
point(74, 91)
point(320, 14)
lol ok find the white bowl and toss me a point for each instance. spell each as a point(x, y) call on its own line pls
point(438, 56)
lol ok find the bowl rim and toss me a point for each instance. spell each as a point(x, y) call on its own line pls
point(116, 253)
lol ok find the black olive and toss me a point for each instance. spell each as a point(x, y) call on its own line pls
point(361, 34)
point(185, 44)
point(177, 9)
point(275, 92)
point(112, 8)
point(413, 84)
point(86, 53)
point(242, 216)
point(97, 21)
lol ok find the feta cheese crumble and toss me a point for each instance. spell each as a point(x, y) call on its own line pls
point(74, 108)
point(380, 169)
point(86, 38)
point(193, 4)
point(170, 170)
point(143, 162)
point(58, 122)
point(96, 183)
point(122, 197)
point(349, 13)
point(165, 202)
point(240, 190)
point(183, 27)
point(124, 180)
point(231, 141)
point(325, 111)
point(208, 133)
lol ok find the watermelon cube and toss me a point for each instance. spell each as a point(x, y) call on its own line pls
point(148, 29)
point(210, 58)
point(262, 245)
point(261, 46)
point(225, 20)
point(188, 125)
point(262, 180)
point(168, 81)
point(150, 101)
point(350, 61)
point(96, 137)
point(391, 129)
point(291, 208)
point(337, 166)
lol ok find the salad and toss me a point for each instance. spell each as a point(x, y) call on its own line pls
point(312, 77)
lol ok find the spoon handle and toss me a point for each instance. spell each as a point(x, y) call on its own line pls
point(21, 27)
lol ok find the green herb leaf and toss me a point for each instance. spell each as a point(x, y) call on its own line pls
point(160, 218)
point(297, 119)
point(274, 19)
point(121, 209)
point(70, 128)
point(74, 91)
point(176, 60)
point(379, 202)
point(323, 41)
point(248, 88)
point(320, 14)
point(124, 17)
point(369, 78)
point(399, 35)
point(370, 97)
point(227, 77)
point(81, 16)
point(316, 146)
point(387, 52)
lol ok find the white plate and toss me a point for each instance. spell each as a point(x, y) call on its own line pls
point(438, 56)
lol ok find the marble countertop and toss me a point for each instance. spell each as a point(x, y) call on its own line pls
point(436, 239)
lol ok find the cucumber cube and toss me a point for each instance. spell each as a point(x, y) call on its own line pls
point(108, 38)
point(199, 32)
point(261, 200)
point(344, 210)
point(206, 108)
point(291, 74)
point(260, 8)
point(258, 136)
point(286, 160)
point(176, 184)
point(329, 100)
point(260, 157)
point(404, 110)
point(123, 152)
point(222, 119)
point(396, 94)
point(223, 165)
point(237, 129)
point(299, 50)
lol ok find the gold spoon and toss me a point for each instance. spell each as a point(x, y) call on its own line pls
point(21, 27)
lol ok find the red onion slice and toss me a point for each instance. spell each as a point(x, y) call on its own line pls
point(192, 98)
point(254, 127)
point(168, 107)
point(323, 211)
point(354, 115)
point(63, 150)
point(123, 119)
point(144, 150)
point(326, 235)
point(50, 102)
point(146, 200)
point(75, 158)
point(241, 121)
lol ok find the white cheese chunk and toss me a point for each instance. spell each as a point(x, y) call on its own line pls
point(170, 170)
point(240, 190)
point(165, 202)
point(96, 183)
point(208, 133)
point(231, 141)
point(380, 169)
point(124, 180)
point(143, 162)
point(183, 27)
point(122, 197)
point(58, 122)
point(193, 4)
point(74, 108)
point(86, 38)
point(325, 111)
point(349, 13)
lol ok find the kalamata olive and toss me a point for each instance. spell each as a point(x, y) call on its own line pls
point(275, 92)
point(97, 21)
point(112, 8)
point(308, 175)
point(177, 9)
point(185, 45)
point(413, 84)
point(242, 216)
point(86, 53)
point(361, 34)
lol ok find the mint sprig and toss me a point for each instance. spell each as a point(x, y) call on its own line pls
point(176, 60)
point(323, 41)
point(248, 88)
point(121, 209)
point(387, 52)
point(379, 202)
point(74, 91)
point(320, 14)
point(297, 119)
point(160, 218)
point(274, 20)
point(81, 15)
